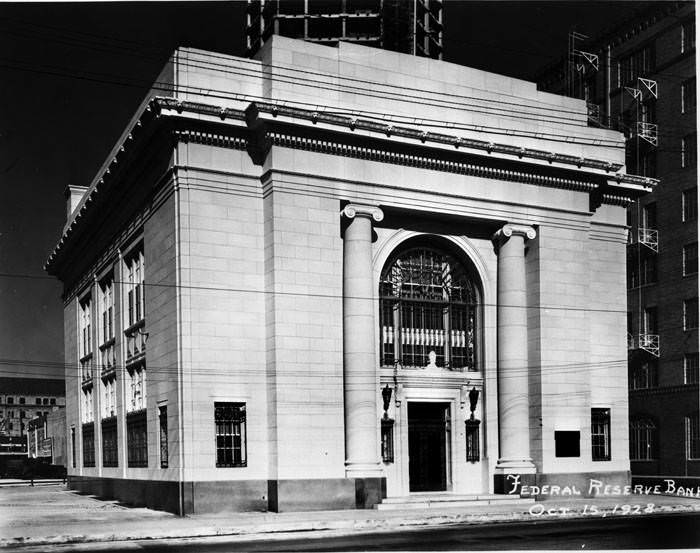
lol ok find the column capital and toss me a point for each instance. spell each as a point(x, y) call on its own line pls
point(508, 230)
point(359, 210)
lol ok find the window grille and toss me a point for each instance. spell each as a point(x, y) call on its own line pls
point(692, 436)
point(110, 457)
point(691, 368)
point(428, 302)
point(88, 445)
point(600, 434)
point(642, 440)
point(137, 439)
point(230, 421)
point(163, 427)
point(387, 434)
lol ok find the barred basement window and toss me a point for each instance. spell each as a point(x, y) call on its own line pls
point(471, 429)
point(110, 457)
point(230, 420)
point(163, 426)
point(689, 200)
point(137, 439)
point(428, 302)
point(88, 445)
point(642, 440)
point(600, 434)
point(387, 434)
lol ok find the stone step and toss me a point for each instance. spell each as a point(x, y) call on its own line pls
point(448, 501)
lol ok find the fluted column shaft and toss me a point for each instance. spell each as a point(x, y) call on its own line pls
point(513, 401)
point(359, 359)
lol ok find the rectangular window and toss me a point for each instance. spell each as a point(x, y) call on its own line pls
point(691, 368)
point(688, 153)
point(87, 411)
point(134, 288)
point(52, 401)
point(567, 443)
point(136, 387)
point(72, 445)
point(89, 445)
point(137, 439)
point(642, 440)
point(163, 426)
point(106, 330)
point(22, 401)
point(643, 375)
point(650, 320)
point(135, 331)
point(649, 216)
point(688, 96)
point(642, 268)
point(690, 204)
point(10, 400)
point(690, 314)
point(600, 434)
point(687, 37)
point(110, 457)
point(230, 420)
point(692, 436)
point(85, 338)
point(690, 259)
point(109, 396)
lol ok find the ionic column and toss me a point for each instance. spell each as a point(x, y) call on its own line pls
point(359, 359)
point(513, 401)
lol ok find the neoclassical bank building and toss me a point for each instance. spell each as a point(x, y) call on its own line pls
point(341, 277)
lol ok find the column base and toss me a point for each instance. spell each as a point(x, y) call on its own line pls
point(363, 470)
point(512, 474)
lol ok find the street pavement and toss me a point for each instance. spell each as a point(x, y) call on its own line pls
point(32, 517)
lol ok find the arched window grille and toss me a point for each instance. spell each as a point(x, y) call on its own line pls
point(642, 440)
point(428, 302)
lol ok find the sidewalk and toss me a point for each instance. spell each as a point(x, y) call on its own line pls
point(55, 515)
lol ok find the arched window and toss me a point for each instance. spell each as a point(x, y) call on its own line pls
point(428, 302)
point(642, 439)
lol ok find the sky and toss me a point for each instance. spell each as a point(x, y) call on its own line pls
point(73, 74)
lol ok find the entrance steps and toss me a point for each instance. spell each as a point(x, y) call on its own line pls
point(448, 501)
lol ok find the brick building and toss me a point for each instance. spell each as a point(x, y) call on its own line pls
point(645, 86)
point(283, 301)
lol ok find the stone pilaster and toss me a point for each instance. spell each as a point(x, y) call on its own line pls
point(513, 401)
point(359, 359)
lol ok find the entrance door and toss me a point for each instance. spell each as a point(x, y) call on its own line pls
point(428, 454)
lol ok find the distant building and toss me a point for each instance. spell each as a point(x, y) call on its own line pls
point(640, 78)
point(413, 27)
point(22, 399)
point(46, 438)
point(278, 306)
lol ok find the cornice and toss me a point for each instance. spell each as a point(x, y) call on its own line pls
point(264, 128)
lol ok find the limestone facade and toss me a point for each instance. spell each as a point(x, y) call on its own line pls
point(331, 274)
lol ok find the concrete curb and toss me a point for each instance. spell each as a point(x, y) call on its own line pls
point(270, 529)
